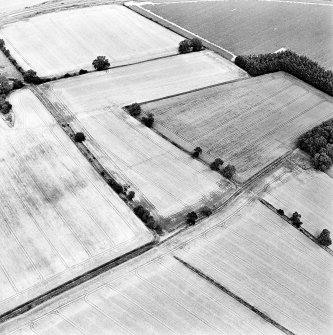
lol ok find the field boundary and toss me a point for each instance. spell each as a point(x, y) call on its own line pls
point(23, 308)
point(236, 297)
point(195, 89)
point(137, 7)
point(301, 229)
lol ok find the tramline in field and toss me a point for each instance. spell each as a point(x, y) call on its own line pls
point(56, 43)
point(248, 124)
point(268, 263)
point(59, 218)
point(308, 192)
point(160, 296)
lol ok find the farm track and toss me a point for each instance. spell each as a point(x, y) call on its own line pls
point(236, 297)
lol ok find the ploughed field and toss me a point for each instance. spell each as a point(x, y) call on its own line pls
point(66, 41)
point(160, 296)
point(59, 219)
point(308, 192)
point(252, 27)
point(271, 265)
point(249, 123)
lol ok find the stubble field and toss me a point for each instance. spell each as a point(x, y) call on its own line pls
point(159, 297)
point(168, 180)
point(308, 192)
point(249, 123)
point(59, 218)
point(147, 81)
point(56, 43)
point(252, 27)
point(268, 263)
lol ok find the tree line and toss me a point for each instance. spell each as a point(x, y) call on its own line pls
point(318, 143)
point(299, 66)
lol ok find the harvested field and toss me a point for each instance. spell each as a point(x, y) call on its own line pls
point(252, 27)
point(56, 43)
point(147, 81)
point(59, 218)
point(269, 264)
point(159, 297)
point(249, 123)
point(161, 174)
point(308, 192)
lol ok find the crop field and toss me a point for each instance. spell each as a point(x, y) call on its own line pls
point(146, 81)
point(56, 43)
point(169, 179)
point(308, 192)
point(252, 27)
point(269, 264)
point(249, 123)
point(59, 219)
point(161, 297)
point(164, 178)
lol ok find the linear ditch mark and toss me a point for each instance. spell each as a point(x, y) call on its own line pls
point(236, 297)
point(301, 229)
point(23, 308)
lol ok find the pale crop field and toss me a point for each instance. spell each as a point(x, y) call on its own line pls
point(161, 296)
point(56, 43)
point(160, 174)
point(146, 81)
point(59, 219)
point(308, 192)
point(249, 123)
point(271, 265)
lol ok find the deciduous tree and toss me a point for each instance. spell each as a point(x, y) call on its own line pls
point(101, 63)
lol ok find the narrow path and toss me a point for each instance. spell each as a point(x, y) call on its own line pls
point(236, 297)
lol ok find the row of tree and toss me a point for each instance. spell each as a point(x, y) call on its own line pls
point(323, 238)
point(318, 143)
point(299, 66)
point(191, 45)
point(125, 194)
point(228, 171)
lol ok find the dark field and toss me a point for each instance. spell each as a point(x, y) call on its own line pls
point(251, 27)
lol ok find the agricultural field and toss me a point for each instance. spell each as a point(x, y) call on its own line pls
point(146, 81)
point(165, 179)
point(66, 41)
point(308, 192)
point(249, 123)
point(160, 296)
point(252, 27)
point(59, 219)
point(271, 265)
